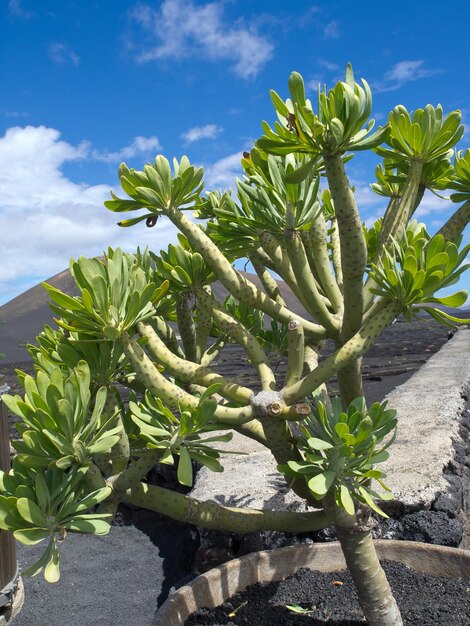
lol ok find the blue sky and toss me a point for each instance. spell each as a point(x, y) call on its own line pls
point(86, 85)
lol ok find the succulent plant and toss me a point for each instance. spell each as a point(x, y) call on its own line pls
point(152, 323)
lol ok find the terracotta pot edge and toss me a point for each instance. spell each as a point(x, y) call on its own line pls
point(426, 558)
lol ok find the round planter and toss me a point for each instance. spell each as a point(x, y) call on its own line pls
point(11, 610)
point(217, 585)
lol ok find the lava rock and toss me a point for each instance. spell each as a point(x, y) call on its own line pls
point(432, 527)
point(450, 502)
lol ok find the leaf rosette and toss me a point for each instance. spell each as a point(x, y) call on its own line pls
point(48, 504)
point(115, 295)
point(415, 269)
point(159, 428)
point(342, 123)
point(59, 428)
point(340, 449)
point(157, 189)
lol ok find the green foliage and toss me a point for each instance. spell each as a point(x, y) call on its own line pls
point(157, 189)
point(59, 428)
point(372, 236)
point(389, 184)
point(340, 449)
point(252, 319)
point(270, 201)
point(76, 432)
point(184, 269)
point(336, 128)
point(46, 504)
point(159, 428)
point(425, 135)
point(461, 180)
point(416, 268)
point(115, 296)
point(63, 349)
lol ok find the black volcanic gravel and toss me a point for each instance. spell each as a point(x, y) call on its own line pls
point(424, 600)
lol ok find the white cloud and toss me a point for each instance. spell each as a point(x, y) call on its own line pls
point(331, 30)
point(402, 73)
point(209, 131)
point(331, 67)
point(16, 9)
point(61, 53)
point(140, 145)
point(432, 204)
point(222, 173)
point(46, 218)
point(182, 29)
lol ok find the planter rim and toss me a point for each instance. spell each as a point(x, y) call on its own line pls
point(9, 612)
point(216, 585)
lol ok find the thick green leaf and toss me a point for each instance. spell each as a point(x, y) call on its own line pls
point(30, 512)
point(31, 536)
point(319, 444)
point(320, 483)
point(88, 526)
point(346, 500)
point(185, 469)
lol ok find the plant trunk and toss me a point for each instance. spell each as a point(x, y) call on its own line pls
point(373, 589)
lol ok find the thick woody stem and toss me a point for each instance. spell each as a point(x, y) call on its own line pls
point(211, 515)
point(268, 408)
point(188, 371)
point(353, 244)
point(374, 593)
point(240, 287)
point(349, 352)
point(350, 382)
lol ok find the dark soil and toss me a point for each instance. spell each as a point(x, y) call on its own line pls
point(128, 573)
point(331, 599)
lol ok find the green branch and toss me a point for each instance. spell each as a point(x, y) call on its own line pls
point(188, 371)
point(336, 255)
point(307, 285)
point(166, 334)
point(269, 284)
point(243, 337)
point(210, 515)
point(350, 351)
point(316, 246)
point(353, 243)
point(240, 287)
point(184, 316)
point(170, 393)
point(203, 329)
point(282, 265)
point(295, 353)
point(456, 224)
